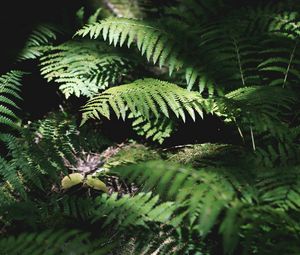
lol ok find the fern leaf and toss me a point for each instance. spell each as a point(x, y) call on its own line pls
point(83, 68)
point(9, 93)
point(38, 41)
point(260, 107)
point(141, 209)
point(144, 97)
point(158, 45)
point(198, 191)
point(51, 242)
point(156, 129)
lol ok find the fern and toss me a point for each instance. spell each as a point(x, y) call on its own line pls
point(118, 31)
point(38, 41)
point(158, 129)
point(243, 60)
point(145, 97)
point(156, 44)
point(278, 18)
point(83, 68)
point(51, 242)
point(207, 193)
point(182, 188)
point(258, 107)
point(9, 93)
point(37, 157)
point(9, 174)
point(282, 191)
point(142, 209)
point(66, 205)
point(252, 107)
point(227, 59)
point(57, 134)
point(283, 152)
point(282, 68)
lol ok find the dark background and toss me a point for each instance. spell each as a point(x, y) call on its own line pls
point(19, 17)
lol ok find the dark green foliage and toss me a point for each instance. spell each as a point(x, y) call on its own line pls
point(36, 158)
point(158, 129)
point(142, 210)
point(9, 94)
point(51, 242)
point(237, 200)
point(156, 68)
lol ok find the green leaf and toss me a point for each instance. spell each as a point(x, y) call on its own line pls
point(71, 180)
point(95, 183)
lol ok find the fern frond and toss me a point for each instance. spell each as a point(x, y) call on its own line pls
point(148, 96)
point(276, 19)
point(10, 84)
point(58, 134)
point(9, 174)
point(281, 70)
point(284, 151)
point(70, 206)
point(120, 30)
point(83, 68)
point(286, 23)
point(205, 10)
point(38, 157)
point(141, 209)
point(281, 190)
point(38, 41)
point(166, 242)
point(254, 200)
point(51, 242)
point(257, 107)
point(21, 166)
point(157, 129)
point(155, 43)
point(198, 192)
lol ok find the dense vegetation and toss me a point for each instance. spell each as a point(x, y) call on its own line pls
point(172, 129)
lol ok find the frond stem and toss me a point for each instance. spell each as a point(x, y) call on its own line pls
point(289, 65)
point(240, 131)
point(252, 139)
point(237, 50)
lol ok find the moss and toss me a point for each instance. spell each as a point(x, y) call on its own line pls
point(131, 153)
point(208, 154)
